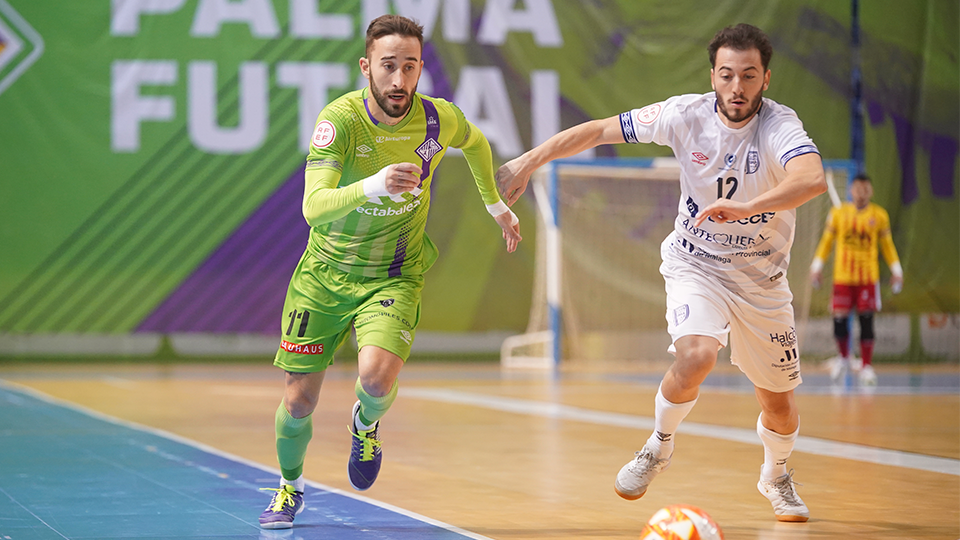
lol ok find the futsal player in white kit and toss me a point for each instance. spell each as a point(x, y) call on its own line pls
point(746, 165)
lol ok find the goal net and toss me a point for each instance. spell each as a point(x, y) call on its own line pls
point(598, 294)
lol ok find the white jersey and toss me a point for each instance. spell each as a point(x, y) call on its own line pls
point(739, 164)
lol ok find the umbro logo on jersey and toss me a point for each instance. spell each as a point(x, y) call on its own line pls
point(700, 158)
point(428, 149)
point(406, 337)
point(363, 150)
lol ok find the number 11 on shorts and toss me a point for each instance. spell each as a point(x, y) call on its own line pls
point(303, 317)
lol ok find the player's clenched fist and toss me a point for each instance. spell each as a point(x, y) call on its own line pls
point(392, 179)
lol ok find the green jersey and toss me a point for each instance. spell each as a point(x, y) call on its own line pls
point(384, 236)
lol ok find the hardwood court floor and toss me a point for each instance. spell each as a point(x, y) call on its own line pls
point(516, 456)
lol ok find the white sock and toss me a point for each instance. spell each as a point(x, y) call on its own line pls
point(667, 419)
point(776, 449)
point(360, 425)
point(297, 484)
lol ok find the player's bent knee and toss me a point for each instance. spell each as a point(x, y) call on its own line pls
point(374, 406)
point(376, 386)
point(299, 405)
point(690, 369)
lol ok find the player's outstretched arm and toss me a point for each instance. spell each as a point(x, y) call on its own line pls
point(513, 176)
point(805, 180)
point(476, 150)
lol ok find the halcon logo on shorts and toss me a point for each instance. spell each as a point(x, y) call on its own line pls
point(387, 303)
point(786, 339)
point(681, 313)
point(301, 349)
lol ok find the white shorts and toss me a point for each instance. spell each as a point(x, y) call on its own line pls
point(763, 337)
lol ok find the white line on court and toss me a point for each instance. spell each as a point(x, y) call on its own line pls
point(810, 445)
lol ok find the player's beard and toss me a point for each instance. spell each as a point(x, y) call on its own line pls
point(743, 114)
point(390, 109)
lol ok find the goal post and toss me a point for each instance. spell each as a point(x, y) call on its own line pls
point(598, 295)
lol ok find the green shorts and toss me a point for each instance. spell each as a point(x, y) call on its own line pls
point(323, 302)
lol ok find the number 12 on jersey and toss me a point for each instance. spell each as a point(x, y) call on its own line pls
point(733, 188)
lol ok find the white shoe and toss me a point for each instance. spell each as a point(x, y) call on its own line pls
point(838, 366)
point(856, 364)
point(868, 377)
point(787, 505)
point(634, 478)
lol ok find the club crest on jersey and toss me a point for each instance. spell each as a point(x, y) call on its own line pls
point(428, 149)
point(753, 162)
point(387, 303)
point(324, 134)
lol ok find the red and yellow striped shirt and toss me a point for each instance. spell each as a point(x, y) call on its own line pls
point(859, 235)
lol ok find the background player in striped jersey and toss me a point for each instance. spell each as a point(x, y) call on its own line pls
point(366, 197)
point(860, 229)
point(746, 164)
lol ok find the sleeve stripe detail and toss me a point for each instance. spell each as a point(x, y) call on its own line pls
point(626, 126)
point(798, 151)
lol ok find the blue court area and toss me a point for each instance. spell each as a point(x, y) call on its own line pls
point(65, 473)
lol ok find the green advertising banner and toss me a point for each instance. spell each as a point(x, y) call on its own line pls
point(152, 150)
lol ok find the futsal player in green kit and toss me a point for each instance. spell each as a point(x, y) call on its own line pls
point(366, 196)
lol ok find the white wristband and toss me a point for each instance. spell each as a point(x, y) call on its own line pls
point(896, 269)
point(498, 208)
point(816, 265)
point(376, 185)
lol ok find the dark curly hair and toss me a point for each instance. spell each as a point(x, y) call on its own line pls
point(741, 37)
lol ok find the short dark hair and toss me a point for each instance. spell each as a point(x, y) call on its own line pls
point(742, 37)
point(862, 177)
point(388, 25)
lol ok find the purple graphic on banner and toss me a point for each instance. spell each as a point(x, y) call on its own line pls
point(241, 286)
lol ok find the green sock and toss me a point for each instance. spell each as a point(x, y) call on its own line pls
point(293, 435)
point(373, 408)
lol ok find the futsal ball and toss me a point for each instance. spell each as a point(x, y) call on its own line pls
point(681, 522)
